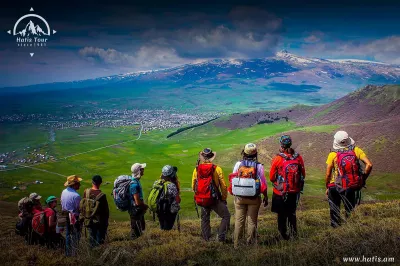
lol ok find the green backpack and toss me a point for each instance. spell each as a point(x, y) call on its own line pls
point(157, 194)
point(88, 208)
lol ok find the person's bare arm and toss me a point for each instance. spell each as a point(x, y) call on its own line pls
point(368, 167)
point(137, 199)
point(328, 176)
point(52, 221)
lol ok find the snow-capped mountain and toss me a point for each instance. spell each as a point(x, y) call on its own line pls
point(283, 67)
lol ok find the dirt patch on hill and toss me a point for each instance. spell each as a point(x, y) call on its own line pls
point(237, 121)
point(380, 140)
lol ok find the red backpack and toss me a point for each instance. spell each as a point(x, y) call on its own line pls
point(39, 223)
point(290, 177)
point(205, 192)
point(349, 170)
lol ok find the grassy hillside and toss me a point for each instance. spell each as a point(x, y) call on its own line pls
point(372, 231)
point(378, 138)
point(153, 148)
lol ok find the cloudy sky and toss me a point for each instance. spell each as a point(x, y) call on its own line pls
point(96, 38)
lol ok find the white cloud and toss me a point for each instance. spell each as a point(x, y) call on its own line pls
point(146, 57)
point(384, 50)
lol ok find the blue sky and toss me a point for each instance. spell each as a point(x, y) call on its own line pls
point(95, 38)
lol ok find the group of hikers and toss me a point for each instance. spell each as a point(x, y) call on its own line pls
point(345, 177)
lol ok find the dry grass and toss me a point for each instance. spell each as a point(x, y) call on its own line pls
point(371, 231)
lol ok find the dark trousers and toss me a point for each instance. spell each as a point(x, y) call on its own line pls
point(335, 198)
point(285, 207)
point(167, 220)
point(55, 240)
point(137, 225)
point(72, 237)
point(97, 233)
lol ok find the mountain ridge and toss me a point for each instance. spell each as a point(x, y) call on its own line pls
point(269, 67)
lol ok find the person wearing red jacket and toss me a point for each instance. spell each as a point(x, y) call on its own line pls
point(287, 175)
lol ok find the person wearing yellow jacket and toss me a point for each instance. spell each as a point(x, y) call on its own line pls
point(206, 169)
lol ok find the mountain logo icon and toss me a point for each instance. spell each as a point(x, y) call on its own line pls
point(31, 30)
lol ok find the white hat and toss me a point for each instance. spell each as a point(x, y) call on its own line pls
point(135, 169)
point(34, 196)
point(342, 140)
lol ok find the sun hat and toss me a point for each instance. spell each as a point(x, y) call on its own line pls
point(72, 179)
point(35, 196)
point(135, 169)
point(285, 141)
point(51, 199)
point(207, 155)
point(341, 140)
point(250, 149)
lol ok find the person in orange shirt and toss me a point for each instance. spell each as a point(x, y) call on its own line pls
point(287, 175)
point(335, 191)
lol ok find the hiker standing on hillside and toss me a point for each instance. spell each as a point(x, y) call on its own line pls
point(138, 207)
point(37, 206)
point(95, 212)
point(287, 175)
point(247, 183)
point(210, 191)
point(28, 207)
point(164, 198)
point(344, 175)
point(54, 239)
point(70, 200)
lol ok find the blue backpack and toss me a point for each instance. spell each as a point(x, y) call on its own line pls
point(121, 192)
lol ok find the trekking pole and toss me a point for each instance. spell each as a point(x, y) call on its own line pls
point(197, 209)
point(178, 223)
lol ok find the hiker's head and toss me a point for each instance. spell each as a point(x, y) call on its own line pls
point(97, 180)
point(285, 141)
point(35, 197)
point(51, 201)
point(207, 155)
point(341, 140)
point(73, 181)
point(169, 172)
point(250, 151)
point(137, 169)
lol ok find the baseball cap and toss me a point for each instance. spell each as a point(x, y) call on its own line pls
point(285, 141)
point(135, 169)
point(51, 199)
point(34, 196)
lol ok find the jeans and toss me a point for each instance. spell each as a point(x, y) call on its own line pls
point(222, 210)
point(97, 233)
point(72, 237)
point(166, 220)
point(335, 198)
point(246, 209)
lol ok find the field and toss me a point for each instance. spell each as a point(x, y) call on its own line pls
point(156, 150)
